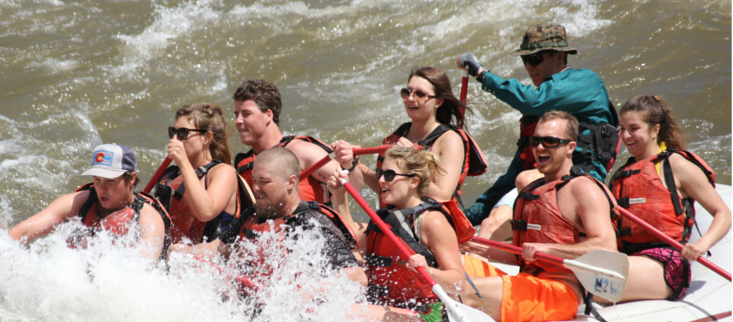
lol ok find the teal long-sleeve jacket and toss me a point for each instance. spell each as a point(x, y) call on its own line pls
point(580, 92)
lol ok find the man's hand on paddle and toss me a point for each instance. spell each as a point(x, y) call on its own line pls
point(529, 249)
point(469, 62)
point(335, 186)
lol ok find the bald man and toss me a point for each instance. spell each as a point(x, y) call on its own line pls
point(278, 207)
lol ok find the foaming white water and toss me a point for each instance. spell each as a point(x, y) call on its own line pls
point(169, 24)
point(108, 281)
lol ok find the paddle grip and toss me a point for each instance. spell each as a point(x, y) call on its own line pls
point(156, 176)
point(308, 172)
point(704, 261)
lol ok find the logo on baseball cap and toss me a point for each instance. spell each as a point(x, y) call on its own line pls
point(111, 161)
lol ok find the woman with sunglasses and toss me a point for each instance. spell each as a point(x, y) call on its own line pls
point(200, 192)
point(660, 185)
point(433, 230)
point(437, 125)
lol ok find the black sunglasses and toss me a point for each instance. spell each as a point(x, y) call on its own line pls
point(417, 94)
point(534, 59)
point(390, 174)
point(547, 141)
point(182, 132)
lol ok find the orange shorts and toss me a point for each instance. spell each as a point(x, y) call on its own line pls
point(528, 298)
point(475, 267)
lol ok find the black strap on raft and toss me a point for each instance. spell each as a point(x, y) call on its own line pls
point(589, 309)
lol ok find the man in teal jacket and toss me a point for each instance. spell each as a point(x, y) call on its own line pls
point(556, 86)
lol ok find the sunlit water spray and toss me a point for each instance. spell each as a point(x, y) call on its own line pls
point(109, 281)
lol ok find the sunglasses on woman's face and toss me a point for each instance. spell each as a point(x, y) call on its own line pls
point(389, 175)
point(182, 132)
point(534, 59)
point(547, 141)
point(416, 94)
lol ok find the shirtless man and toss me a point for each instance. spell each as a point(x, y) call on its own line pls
point(561, 215)
point(257, 107)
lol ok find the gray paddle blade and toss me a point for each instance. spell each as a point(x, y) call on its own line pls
point(606, 278)
point(470, 313)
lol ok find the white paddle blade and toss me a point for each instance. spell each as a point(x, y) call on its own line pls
point(459, 312)
point(602, 273)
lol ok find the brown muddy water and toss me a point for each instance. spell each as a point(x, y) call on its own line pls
point(74, 74)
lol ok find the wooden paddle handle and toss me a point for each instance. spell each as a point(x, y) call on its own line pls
point(158, 173)
point(673, 243)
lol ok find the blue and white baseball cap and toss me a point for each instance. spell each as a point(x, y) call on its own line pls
point(111, 161)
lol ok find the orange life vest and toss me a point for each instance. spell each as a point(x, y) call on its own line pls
point(637, 187)
point(537, 217)
point(118, 222)
point(390, 281)
point(474, 163)
point(172, 194)
point(309, 189)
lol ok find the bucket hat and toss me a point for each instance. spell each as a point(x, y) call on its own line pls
point(543, 37)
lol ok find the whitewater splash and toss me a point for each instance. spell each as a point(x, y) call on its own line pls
point(109, 281)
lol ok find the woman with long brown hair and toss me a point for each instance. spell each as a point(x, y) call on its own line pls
point(660, 185)
point(201, 190)
point(437, 124)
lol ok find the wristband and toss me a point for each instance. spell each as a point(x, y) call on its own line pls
point(353, 166)
point(480, 76)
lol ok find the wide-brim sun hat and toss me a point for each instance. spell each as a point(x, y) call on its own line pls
point(110, 161)
point(547, 36)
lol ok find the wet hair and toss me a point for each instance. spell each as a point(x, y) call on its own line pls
point(127, 176)
point(422, 163)
point(264, 94)
point(571, 129)
point(654, 110)
point(451, 107)
point(281, 159)
point(208, 116)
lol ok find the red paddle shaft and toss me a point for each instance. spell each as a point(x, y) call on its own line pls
point(518, 250)
point(464, 90)
point(246, 282)
point(386, 229)
point(673, 243)
point(157, 175)
point(307, 173)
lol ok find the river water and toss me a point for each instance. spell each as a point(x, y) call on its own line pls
point(74, 74)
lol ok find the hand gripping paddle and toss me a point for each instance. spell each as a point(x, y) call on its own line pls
point(601, 272)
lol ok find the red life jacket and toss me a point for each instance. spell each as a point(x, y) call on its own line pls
point(309, 189)
point(390, 281)
point(251, 228)
point(172, 194)
point(474, 163)
point(600, 144)
point(537, 217)
point(118, 222)
point(637, 187)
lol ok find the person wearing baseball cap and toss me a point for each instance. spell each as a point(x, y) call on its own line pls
point(555, 86)
point(108, 203)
